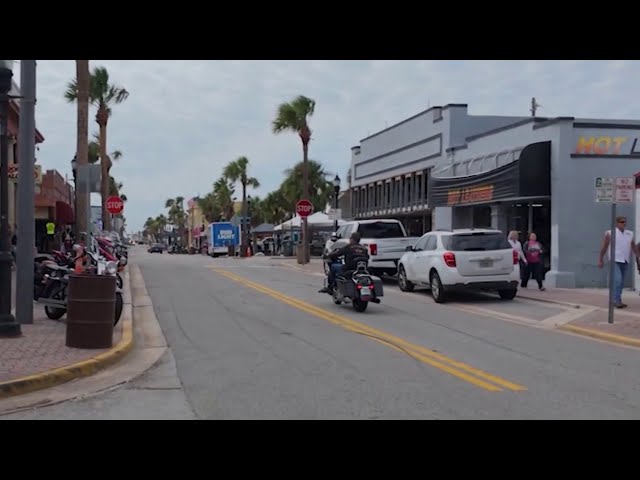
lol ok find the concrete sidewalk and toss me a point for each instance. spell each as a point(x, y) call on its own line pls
point(39, 358)
point(41, 348)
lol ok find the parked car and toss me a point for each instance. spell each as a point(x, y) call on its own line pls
point(386, 240)
point(156, 248)
point(466, 259)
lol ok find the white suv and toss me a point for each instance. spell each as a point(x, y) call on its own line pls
point(466, 259)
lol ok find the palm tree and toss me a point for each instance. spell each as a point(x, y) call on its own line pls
point(176, 214)
point(236, 171)
point(320, 187)
point(258, 215)
point(294, 117)
point(275, 207)
point(94, 150)
point(210, 207)
point(104, 95)
point(82, 86)
point(223, 192)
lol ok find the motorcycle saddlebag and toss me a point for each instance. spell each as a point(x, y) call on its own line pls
point(377, 286)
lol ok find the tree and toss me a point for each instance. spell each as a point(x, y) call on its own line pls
point(94, 150)
point(258, 215)
point(176, 214)
point(223, 192)
point(210, 207)
point(104, 95)
point(82, 85)
point(320, 187)
point(236, 171)
point(275, 207)
point(294, 117)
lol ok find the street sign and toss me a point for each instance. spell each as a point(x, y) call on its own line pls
point(335, 214)
point(115, 205)
point(304, 208)
point(605, 189)
point(625, 189)
point(14, 173)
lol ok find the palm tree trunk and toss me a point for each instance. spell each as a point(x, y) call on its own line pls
point(305, 190)
point(104, 186)
point(82, 143)
point(243, 225)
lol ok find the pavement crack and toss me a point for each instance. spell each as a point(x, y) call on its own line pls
point(157, 388)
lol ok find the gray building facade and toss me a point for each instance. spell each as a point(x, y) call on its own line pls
point(444, 168)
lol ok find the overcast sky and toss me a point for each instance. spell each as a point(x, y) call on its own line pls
point(185, 119)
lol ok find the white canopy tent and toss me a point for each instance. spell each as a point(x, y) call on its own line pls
point(318, 219)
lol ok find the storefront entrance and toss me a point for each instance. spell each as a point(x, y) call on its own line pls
point(533, 217)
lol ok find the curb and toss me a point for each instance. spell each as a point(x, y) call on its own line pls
point(52, 378)
point(555, 302)
point(609, 337)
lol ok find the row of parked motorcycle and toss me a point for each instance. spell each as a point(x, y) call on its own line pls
point(99, 255)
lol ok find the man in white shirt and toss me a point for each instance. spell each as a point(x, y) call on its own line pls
point(622, 257)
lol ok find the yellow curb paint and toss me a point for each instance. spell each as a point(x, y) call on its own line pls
point(58, 376)
point(609, 337)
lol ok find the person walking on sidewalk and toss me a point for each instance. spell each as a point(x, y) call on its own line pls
point(517, 247)
point(622, 257)
point(533, 254)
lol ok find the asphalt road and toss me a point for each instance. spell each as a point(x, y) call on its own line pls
point(252, 339)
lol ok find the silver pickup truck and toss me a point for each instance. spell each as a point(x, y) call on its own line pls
point(386, 240)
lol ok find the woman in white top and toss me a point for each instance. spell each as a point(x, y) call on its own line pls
point(517, 246)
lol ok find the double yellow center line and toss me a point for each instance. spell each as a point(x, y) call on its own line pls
point(460, 370)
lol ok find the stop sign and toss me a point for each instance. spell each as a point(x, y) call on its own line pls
point(115, 205)
point(304, 208)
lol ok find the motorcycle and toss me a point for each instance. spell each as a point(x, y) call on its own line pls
point(52, 280)
point(357, 287)
point(106, 248)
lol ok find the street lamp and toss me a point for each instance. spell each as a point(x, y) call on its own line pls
point(336, 191)
point(248, 224)
point(74, 169)
point(8, 325)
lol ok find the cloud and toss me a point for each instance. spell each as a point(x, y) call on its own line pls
point(185, 119)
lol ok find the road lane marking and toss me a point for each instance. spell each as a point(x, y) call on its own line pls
point(453, 367)
point(475, 309)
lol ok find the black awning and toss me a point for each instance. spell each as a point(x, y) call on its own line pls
point(529, 176)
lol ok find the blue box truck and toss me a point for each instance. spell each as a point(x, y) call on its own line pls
point(222, 235)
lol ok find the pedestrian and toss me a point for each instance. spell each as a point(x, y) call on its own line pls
point(517, 247)
point(278, 244)
point(533, 255)
point(622, 257)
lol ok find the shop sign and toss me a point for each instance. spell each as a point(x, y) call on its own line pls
point(606, 145)
point(483, 193)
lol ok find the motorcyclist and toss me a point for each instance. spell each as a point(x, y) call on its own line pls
point(350, 252)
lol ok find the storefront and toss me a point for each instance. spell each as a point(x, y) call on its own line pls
point(510, 191)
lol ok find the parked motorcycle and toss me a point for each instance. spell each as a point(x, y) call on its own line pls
point(105, 246)
point(357, 287)
point(51, 282)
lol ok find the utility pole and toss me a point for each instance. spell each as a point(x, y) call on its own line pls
point(534, 106)
point(83, 216)
point(26, 192)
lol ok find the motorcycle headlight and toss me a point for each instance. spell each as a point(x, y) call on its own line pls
point(123, 261)
point(111, 268)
